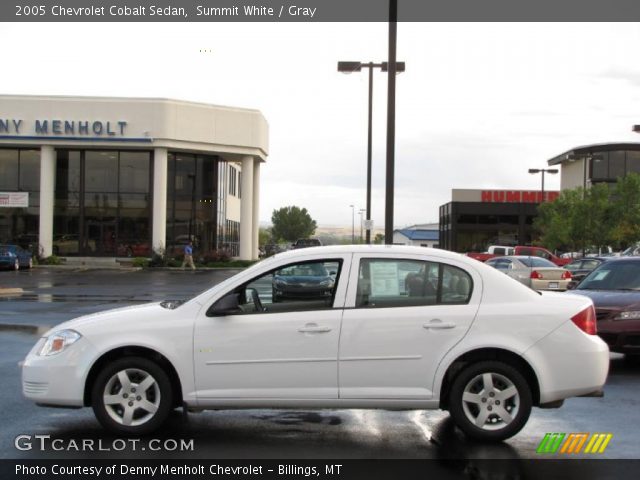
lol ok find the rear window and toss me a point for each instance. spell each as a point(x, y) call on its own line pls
point(537, 262)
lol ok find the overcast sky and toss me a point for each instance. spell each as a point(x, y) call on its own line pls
point(478, 105)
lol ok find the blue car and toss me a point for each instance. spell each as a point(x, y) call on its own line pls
point(15, 257)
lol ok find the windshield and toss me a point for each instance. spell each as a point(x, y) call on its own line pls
point(536, 262)
point(613, 276)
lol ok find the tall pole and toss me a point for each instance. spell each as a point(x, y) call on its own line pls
point(368, 239)
point(542, 198)
point(353, 224)
point(391, 122)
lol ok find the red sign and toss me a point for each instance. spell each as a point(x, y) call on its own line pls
point(517, 196)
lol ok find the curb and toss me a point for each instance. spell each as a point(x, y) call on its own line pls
point(32, 329)
point(11, 291)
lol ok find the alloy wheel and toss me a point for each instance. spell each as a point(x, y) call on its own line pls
point(131, 397)
point(490, 401)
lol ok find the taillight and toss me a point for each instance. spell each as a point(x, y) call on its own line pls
point(536, 275)
point(586, 320)
point(566, 275)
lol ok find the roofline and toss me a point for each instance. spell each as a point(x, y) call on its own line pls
point(126, 99)
point(586, 149)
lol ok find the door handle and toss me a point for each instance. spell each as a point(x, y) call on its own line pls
point(437, 324)
point(314, 328)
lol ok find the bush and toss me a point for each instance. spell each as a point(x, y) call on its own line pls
point(158, 259)
point(141, 262)
point(215, 256)
point(52, 260)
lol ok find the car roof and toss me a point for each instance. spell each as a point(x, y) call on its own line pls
point(374, 250)
point(521, 257)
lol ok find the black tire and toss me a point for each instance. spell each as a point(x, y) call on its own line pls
point(159, 395)
point(471, 382)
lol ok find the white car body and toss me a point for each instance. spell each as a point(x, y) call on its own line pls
point(338, 357)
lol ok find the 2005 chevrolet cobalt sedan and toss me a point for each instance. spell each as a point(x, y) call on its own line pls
point(403, 328)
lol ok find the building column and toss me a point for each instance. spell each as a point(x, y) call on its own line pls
point(246, 210)
point(159, 220)
point(47, 189)
point(256, 209)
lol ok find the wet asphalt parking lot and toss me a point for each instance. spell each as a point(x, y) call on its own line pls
point(54, 295)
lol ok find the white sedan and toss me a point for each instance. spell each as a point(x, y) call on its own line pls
point(402, 328)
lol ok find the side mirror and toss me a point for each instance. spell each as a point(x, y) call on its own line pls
point(227, 305)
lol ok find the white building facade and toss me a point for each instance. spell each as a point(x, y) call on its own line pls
point(97, 176)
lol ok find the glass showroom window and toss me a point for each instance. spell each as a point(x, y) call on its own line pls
point(20, 172)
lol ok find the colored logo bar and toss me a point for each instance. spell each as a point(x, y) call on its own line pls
point(573, 443)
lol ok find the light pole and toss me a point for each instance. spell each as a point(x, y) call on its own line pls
point(350, 67)
point(360, 212)
point(552, 171)
point(353, 224)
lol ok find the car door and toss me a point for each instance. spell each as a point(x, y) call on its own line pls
point(397, 329)
point(273, 350)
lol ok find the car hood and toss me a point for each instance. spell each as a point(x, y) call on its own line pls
point(301, 278)
point(115, 318)
point(610, 298)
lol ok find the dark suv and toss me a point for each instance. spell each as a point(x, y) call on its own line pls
point(306, 242)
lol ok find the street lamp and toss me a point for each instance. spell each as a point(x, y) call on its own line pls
point(552, 171)
point(353, 224)
point(350, 67)
point(360, 212)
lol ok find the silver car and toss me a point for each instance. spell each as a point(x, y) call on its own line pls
point(534, 272)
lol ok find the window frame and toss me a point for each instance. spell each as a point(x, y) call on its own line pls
point(440, 263)
point(241, 288)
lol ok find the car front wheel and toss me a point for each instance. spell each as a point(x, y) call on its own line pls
point(490, 401)
point(132, 396)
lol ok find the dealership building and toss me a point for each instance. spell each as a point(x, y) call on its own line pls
point(97, 176)
point(475, 219)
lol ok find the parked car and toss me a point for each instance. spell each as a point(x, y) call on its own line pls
point(483, 347)
point(69, 244)
point(28, 241)
point(307, 281)
point(582, 267)
point(134, 248)
point(528, 251)
point(614, 287)
point(306, 242)
point(534, 272)
point(15, 257)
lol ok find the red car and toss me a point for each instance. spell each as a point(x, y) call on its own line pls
point(614, 288)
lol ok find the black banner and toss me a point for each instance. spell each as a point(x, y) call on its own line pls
point(328, 469)
point(318, 10)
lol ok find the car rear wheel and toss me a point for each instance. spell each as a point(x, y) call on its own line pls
point(132, 396)
point(490, 401)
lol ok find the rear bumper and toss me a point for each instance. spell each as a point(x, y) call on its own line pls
point(569, 363)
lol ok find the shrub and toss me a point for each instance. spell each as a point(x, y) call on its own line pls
point(215, 256)
point(52, 260)
point(141, 262)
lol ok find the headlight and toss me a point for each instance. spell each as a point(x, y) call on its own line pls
point(58, 341)
point(326, 283)
point(279, 283)
point(631, 315)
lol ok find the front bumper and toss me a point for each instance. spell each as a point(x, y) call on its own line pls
point(57, 380)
